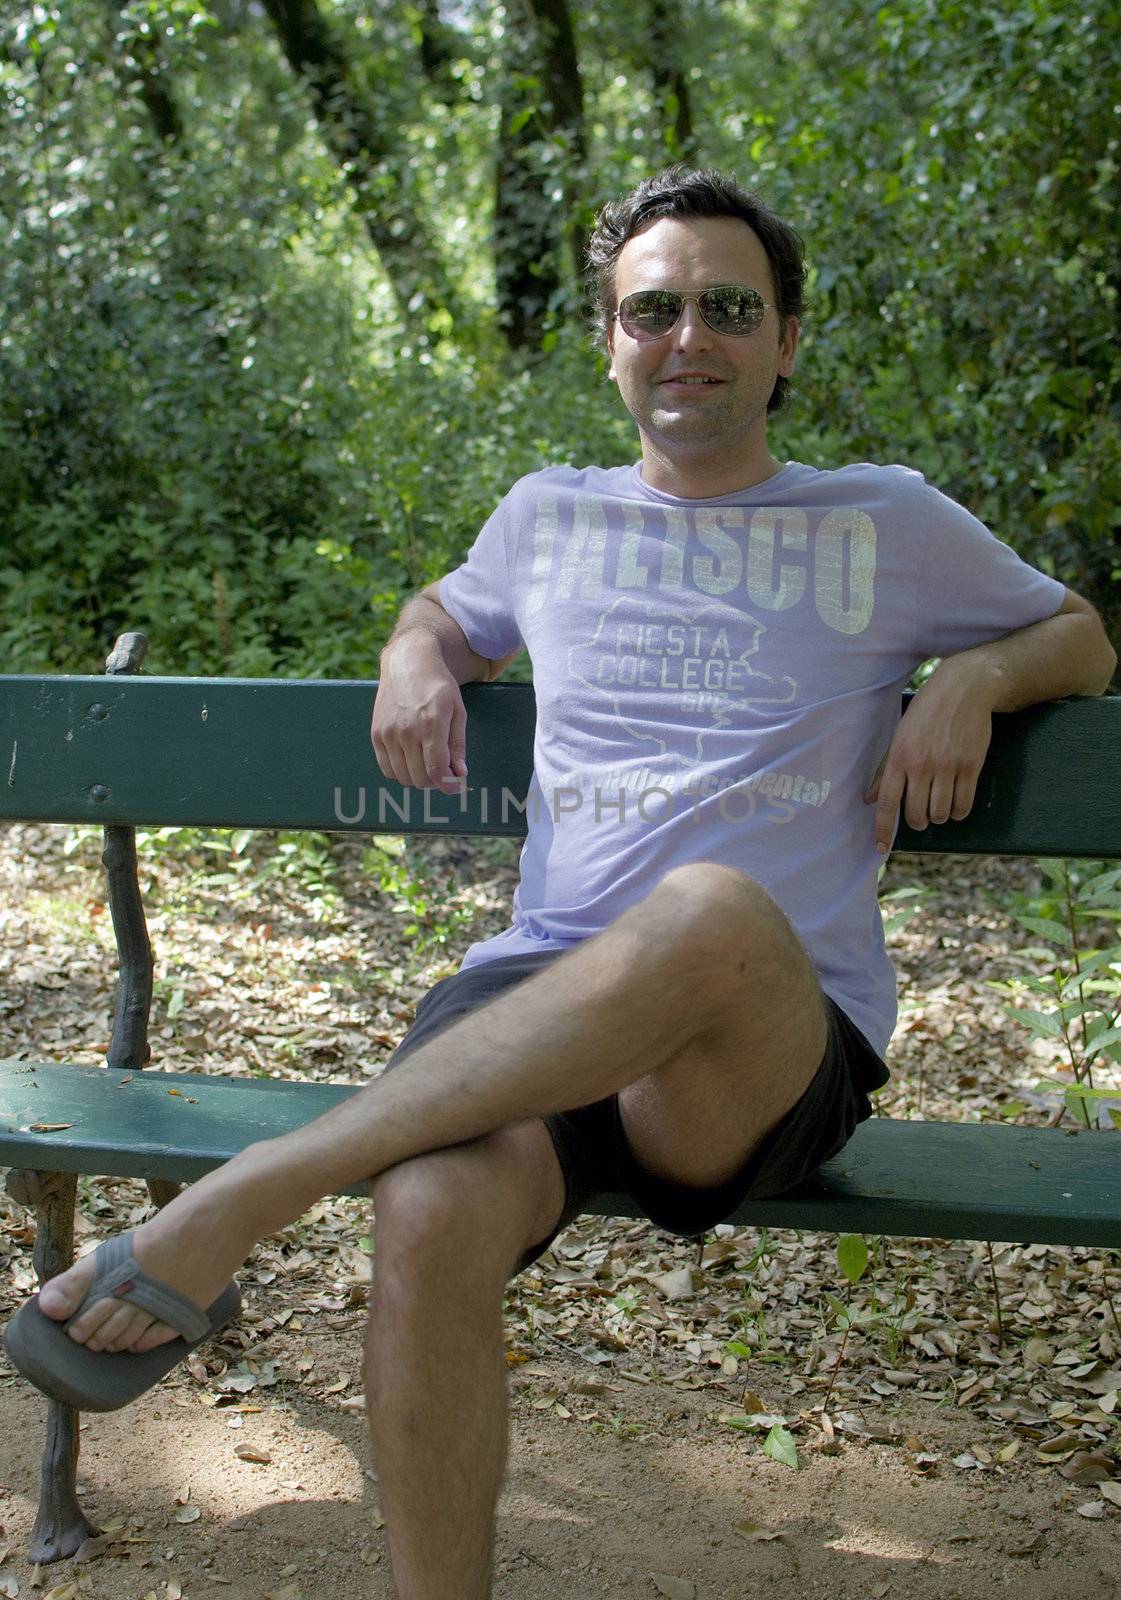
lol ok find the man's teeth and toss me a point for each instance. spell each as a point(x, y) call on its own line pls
point(694, 380)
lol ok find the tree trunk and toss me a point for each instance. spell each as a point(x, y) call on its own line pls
point(360, 128)
point(139, 65)
point(435, 46)
point(667, 31)
point(541, 150)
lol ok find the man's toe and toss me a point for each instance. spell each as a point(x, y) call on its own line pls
point(62, 1296)
point(110, 1323)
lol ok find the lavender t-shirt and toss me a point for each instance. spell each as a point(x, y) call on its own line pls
point(717, 680)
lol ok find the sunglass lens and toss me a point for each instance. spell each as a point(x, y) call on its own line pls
point(650, 312)
point(731, 309)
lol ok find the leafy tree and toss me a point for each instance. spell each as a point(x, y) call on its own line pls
point(261, 372)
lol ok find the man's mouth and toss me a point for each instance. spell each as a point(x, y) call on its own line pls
point(699, 379)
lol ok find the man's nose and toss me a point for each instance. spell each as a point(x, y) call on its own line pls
point(692, 331)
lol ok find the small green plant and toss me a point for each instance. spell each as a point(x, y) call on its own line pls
point(432, 919)
point(752, 1340)
point(241, 860)
point(628, 1301)
point(852, 1258)
point(1075, 1004)
point(900, 905)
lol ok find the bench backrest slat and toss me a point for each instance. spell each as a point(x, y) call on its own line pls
point(296, 754)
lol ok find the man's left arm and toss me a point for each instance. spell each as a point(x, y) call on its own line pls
point(935, 758)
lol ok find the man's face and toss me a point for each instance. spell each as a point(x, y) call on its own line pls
point(726, 413)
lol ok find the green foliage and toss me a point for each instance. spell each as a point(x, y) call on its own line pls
point(239, 861)
point(852, 1256)
point(779, 1445)
point(414, 893)
point(219, 424)
point(900, 905)
point(1074, 1003)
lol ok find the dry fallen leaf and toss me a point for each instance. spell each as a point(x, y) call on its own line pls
point(756, 1533)
point(1086, 1467)
point(1032, 1547)
point(674, 1588)
point(1059, 1443)
point(1038, 1353)
point(676, 1285)
point(250, 1452)
point(91, 1548)
point(1103, 1382)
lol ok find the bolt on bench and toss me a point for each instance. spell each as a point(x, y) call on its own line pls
point(124, 750)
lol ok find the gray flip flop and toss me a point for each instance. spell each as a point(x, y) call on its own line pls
point(103, 1380)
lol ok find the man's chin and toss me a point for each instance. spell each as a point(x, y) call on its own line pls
point(688, 427)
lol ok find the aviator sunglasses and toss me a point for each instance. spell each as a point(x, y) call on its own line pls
point(731, 308)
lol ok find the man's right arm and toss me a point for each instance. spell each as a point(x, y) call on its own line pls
point(419, 728)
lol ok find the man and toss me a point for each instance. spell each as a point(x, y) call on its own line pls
point(719, 643)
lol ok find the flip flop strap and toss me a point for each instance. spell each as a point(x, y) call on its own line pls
point(119, 1276)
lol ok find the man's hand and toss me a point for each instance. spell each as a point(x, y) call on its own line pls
point(933, 762)
point(419, 727)
point(935, 758)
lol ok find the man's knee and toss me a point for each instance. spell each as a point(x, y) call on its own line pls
point(485, 1199)
point(718, 916)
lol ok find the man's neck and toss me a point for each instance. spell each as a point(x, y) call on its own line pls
point(687, 480)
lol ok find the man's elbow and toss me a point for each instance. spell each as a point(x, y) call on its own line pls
point(1102, 657)
point(1097, 655)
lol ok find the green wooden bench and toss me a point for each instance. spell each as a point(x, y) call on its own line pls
point(124, 750)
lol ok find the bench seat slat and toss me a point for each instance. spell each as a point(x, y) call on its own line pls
point(917, 1179)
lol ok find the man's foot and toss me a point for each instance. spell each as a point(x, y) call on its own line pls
point(194, 1245)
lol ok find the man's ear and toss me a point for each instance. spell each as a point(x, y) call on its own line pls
point(611, 349)
point(788, 347)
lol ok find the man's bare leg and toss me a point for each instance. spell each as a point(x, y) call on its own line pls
point(449, 1229)
point(705, 971)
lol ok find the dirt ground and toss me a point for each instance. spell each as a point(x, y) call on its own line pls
point(663, 1502)
point(961, 1438)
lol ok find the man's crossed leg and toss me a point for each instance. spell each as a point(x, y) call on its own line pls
point(698, 1006)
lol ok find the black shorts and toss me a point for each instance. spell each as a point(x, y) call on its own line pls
point(591, 1143)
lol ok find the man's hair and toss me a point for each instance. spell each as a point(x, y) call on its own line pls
point(682, 191)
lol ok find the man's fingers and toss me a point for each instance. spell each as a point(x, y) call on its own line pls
point(965, 792)
point(890, 793)
point(457, 739)
point(386, 760)
point(941, 802)
point(417, 758)
point(917, 805)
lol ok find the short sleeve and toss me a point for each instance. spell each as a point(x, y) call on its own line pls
point(480, 594)
point(973, 587)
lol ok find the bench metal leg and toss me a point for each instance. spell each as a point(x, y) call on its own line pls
point(60, 1524)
